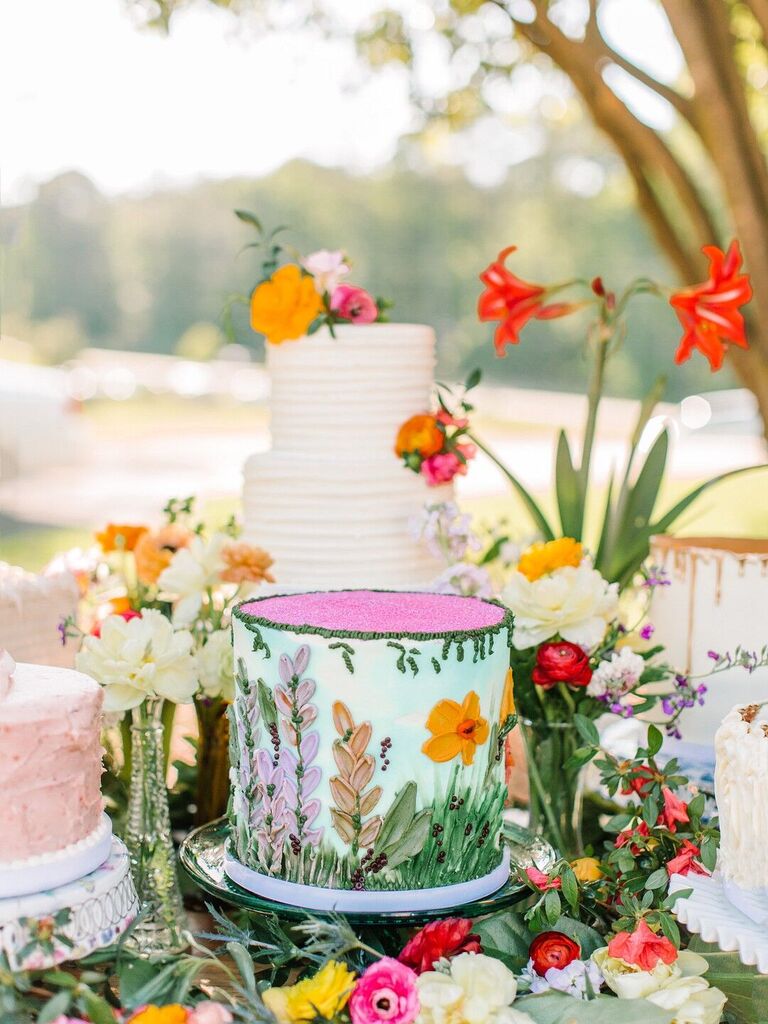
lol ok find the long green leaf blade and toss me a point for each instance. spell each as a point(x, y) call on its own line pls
point(538, 517)
point(570, 499)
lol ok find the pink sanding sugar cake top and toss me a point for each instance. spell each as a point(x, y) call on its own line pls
point(373, 611)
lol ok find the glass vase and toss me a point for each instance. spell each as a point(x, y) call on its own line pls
point(161, 928)
point(556, 800)
point(212, 793)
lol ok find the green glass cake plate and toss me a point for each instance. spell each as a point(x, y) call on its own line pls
point(202, 856)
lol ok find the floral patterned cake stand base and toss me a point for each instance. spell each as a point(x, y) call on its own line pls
point(709, 913)
point(43, 929)
point(204, 852)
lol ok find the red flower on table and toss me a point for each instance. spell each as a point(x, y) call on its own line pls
point(561, 662)
point(542, 882)
point(675, 810)
point(638, 780)
point(627, 835)
point(709, 312)
point(513, 302)
point(446, 938)
point(643, 948)
point(686, 861)
point(552, 949)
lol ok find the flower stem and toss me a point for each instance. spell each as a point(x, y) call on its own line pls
point(535, 778)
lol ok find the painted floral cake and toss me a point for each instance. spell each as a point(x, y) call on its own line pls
point(367, 737)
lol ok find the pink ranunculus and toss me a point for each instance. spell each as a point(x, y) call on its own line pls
point(443, 467)
point(385, 992)
point(354, 304)
point(209, 1012)
point(61, 1019)
point(327, 267)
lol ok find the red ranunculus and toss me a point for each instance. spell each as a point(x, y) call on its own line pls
point(513, 302)
point(561, 662)
point(686, 861)
point(445, 938)
point(552, 949)
point(709, 312)
point(642, 948)
point(127, 615)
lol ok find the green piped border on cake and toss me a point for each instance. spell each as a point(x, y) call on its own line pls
point(256, 622)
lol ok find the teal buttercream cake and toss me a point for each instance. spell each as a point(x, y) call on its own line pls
point(367, 736)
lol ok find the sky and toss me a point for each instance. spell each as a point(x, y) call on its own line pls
point(83, 87)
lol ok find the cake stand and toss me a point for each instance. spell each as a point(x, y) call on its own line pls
point(69, 922)
point(708, 912)
point(203, 853)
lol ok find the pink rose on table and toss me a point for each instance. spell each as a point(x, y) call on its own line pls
point(354, 304)
point(385, 992)
point(327, 267)
point(642, 948)
point(443, 467)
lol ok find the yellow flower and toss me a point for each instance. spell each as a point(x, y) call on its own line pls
point(507, 698)
point(587, 869)
point(173, 1014)
point(119, 537)
point(325, 995)
point(542, 559)
point(283, 307)
point(456, 729)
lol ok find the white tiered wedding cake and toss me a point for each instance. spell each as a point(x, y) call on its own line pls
point(330, 501)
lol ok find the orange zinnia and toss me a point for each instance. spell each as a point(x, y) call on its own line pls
point(513, 302)
point(119, 537)
point(456, 729)
point(419, 434)
point(709, 312)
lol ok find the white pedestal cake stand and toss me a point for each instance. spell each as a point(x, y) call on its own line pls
point(40, 930)
point(709, 913)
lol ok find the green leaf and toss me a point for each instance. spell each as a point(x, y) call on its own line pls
point(655, 740)
point(747, 990)
point(603, 553)
point(398, 818)
point(249, 218)
point(505, 937)
point(473, 379)
point(587, 729)
point(570, 499)
point(552, 906)
point(55, 1007)
point(709, 853)
point(99, 1011)
point(533, 509)
point(570, 888)
point(412, 842)
point(658, 879)
point(580, 757)
point(559, 1008)
point(244, 964)
point(643, 495)
point(588, 939)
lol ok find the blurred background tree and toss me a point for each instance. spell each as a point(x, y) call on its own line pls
point(702, 180)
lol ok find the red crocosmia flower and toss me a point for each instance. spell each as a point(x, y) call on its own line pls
point(561, 662)
point(541, 881)
point(686, 861)
point(626, 836)
point(127, 615)
point(642, 948)
point(513, 302)
point(675, 810)
point(552, 949)
point(445, 938)
point(709, 312)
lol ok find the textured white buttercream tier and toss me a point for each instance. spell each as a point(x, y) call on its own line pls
point(31, 608)
point(741, 783)
point(330, 501)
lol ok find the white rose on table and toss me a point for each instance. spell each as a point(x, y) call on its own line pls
point(477, 990)
point(575, 602)
point(143, 657)
point(216, 666)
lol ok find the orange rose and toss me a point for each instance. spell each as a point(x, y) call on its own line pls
point(246, 564)
point(119, 537)
point(283, 307)
point(154, 551)
point(419, 434)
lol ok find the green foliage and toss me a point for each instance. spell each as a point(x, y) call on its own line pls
point(558, 1008)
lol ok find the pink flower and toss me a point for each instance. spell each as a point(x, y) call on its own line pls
point(685, 861)
point(209, 1013)
point(542, 881)
point(354, 304)
point(385, 992)
point(642, 948)
point(443, 467)
point(674, 810)
point(61, 1019)
point(327, 267)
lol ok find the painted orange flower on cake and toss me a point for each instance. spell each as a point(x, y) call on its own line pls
point(283, 307)
point(456, 729)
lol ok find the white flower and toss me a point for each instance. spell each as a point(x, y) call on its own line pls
point(216, 667)
point(192, 571)
point(477, 990)
point(629, 982)
point(327, 267)
point(144, 657)
point(617, 676)
point(571, 979)
point(465, 579)
point(447, 533)
point(691, 1000)
point(575, 602)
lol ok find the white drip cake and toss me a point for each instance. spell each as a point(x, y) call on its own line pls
point(331, 502)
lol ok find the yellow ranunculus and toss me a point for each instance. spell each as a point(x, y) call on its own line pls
point(542, 559)
point(587, 869)
point(325, 995)
point(283, 307)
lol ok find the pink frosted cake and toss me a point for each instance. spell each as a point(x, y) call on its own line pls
point(367, 737)
point(52, 828)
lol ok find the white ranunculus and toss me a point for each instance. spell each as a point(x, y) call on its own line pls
point(574, 601)
point(692, 1001)
point(144, 657)
point(192, 571)
point(216, 666)
point(477, 990)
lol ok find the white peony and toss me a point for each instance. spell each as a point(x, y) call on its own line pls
point(216, 666)
point(144, 657)
point(618, 675)
point(192, 571)
point(476, 990)
point(575, 602)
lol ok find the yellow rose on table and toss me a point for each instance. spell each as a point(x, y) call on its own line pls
point(283, 307)
point(323, 995)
